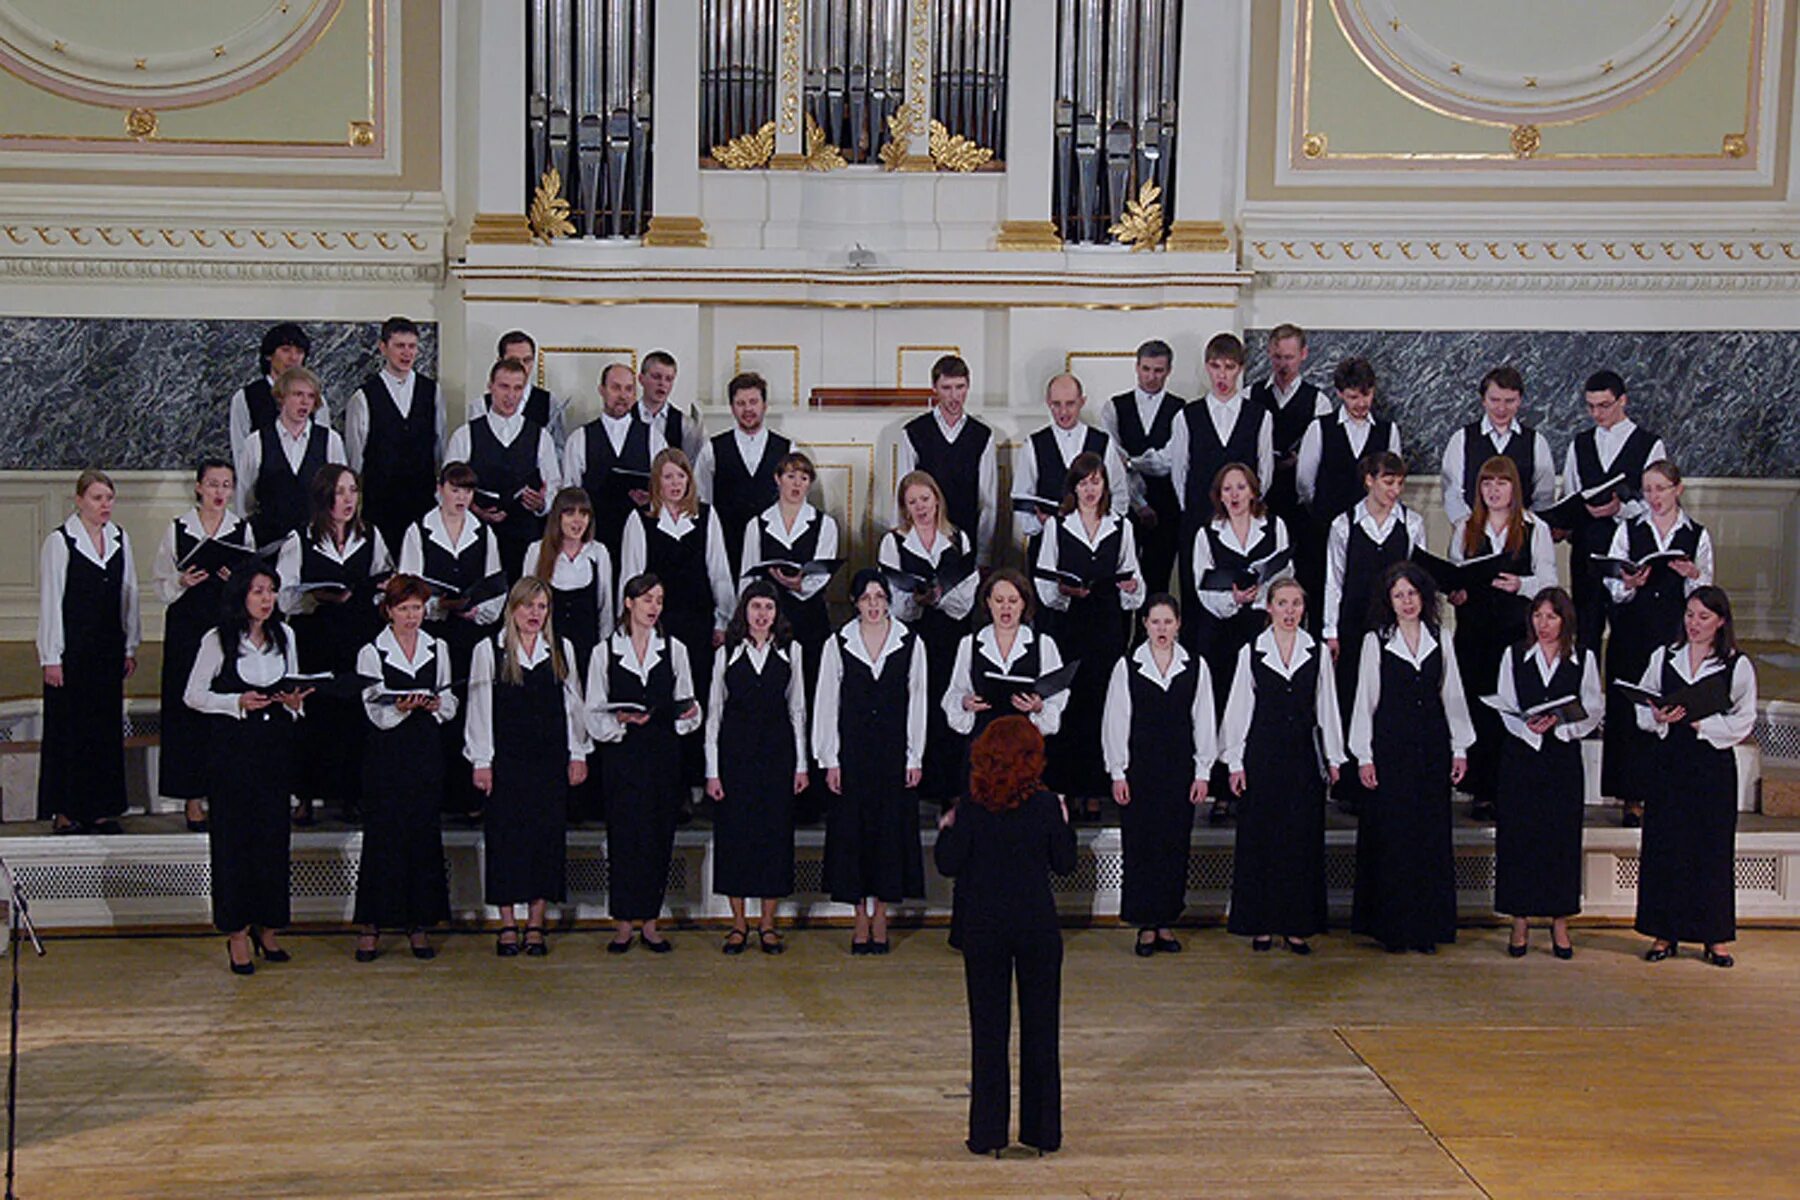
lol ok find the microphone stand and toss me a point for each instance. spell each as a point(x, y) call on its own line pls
point(18, 918)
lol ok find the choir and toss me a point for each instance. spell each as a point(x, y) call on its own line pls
point(390, 624)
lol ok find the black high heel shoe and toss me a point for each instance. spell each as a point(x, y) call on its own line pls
point(276, 955)
point(370, 952)
point(1145, 949)
point(539, 948)
point(1717, 958)
point(247, 967)
point(505, 948)
point(1658, 953)
point(1563, 952)
point(1299, 945)
point(421, 945)
point(1517, 949)
point(1262, 944)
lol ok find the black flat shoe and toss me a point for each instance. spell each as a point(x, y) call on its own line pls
point(507, 948)
point(247, 967)
point(199, 826)
point(660, 946)
point(1517, 949)
point(1261, 945)
point(1144, 949)
point(539, 948)
point(107, 827)
point(735, 941)
point(1166, 945)
point(1298, 946)
point(771, 942)
point(1563, 952)
point(1427, 948)
point(1716, 958)
point(984, 1150)
point(878, 948)
point(1659, 953)
point(858, 949)
point(618, 946)
point(63, 827)
point(368, 953)
point(421, 946)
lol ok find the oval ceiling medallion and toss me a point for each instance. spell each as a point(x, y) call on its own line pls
point(1527, 61)
point(156, 54)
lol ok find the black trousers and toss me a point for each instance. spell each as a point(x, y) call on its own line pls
point(990, 959)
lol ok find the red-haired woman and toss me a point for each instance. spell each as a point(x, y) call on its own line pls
point(1001, 847)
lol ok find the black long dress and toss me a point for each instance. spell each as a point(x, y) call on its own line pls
point(1538, 802)
point(1687, 888)
point(464, 570)
point(1365, 560)
point(808, 618)
point(330, 636)
point(1488, 623)
point(1640, 627)
point(1218, 639)
point(525, 818)
point(250, 780)
point(940, 633)
point(181, 771)
point(1092, 631)
point(575, 615)
point(1278, 871)
point(689, 608)
point(401, 882)
point(753, 827)
point(81, 773)
point(1157, 827)
point(872, 845)
point(1001, 863)
point(643, 781)
point(1405, 869)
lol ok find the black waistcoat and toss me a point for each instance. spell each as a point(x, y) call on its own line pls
point(1289, 420)
point(1206, 454)
point(260, 402)
point(1478, 448)
point(1162, 722)
point(282, 503)
point(626, 686)
point(1052, 471)
point(1364, 561)
point(1338, 485)
point(999, 692)
point(400, 456)
point(1529, 686)
point(528, 718)
point(1659, 604)
point(610, 491)
point(1134, 439)
point(955, 465)
point(506, 469)
point(742, 490)
point(680, 563)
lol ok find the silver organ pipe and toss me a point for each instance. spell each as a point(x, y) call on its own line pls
point(738, 68)
point(588, 108)
point(855, 76)
point(1117, 73)
point(968, 88)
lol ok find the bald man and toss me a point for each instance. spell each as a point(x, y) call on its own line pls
point(610, 456)
point(1041, 461)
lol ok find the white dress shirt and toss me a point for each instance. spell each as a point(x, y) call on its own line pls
point(1115, 721)
point(1240, 703)
point(955, 603)
point(1723, 730)
point(506, 431)
point(782, 537)
point(1069, 443)
point(53, 574)
point(1591, 696)
point(257, 666)
point(1224, 605)
point(1368, 690)
point(987, 483)
point(165, 574)
point(1624, 593)
point(1224, 415)
point(1154, 460)
point(293, 445)
point(693, 432)
point(634, 553)
point(1312, 449)
point(1538, 543)
point(1541, 487)
point(557, 428)
point(1050, 550)
point(238, 416)
point(575, 449)
point(1337, 550)
point(606, 726)
point(750, 447)
point(478, 729)
point(826, 736)
point(1607, 444)
point(356, 417)
point(758, 657)
point(590, 568)
point(287, 565)
point(412, 560)
point(386, 649)
point(962, 681)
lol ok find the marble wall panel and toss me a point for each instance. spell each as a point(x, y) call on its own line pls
point(1727, 402)
point(129, 394)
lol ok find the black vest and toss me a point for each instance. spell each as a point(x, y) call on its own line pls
point(1364, 561)
point(1052, 471)
point(999, 692)
point(1529, 687)
point(1658, 606)
point(741, 491)
point(529, 723)
point(92, 630)
point(672, 426)
point(1162, 724)
point(956, 466)
point(260, 402)
point(1682, 732)
point(397, 677)
point(657, 693)
point(536, 407)
point(400, 456)
point(506, 469)
point(680, 563)
point(1287, 708)
point(1134, 439)
point(1338, 485)
point(1206, 454)
point(1410, 722)
point(462, 571)
point(282, 503)
point(755, 722)
point(610, 491)
point(1630, 461)
point(1478, 448)
point(204, 598)
point(1289, 420)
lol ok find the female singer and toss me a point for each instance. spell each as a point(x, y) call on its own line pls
point(238, 677)
point(1241, 533)
point(1686, 888)
point(1281, 738)
point(873, 672)
point(1000, 848)
point(193, 595)
point(1089, 619)
point(927, 546)
point(640, 704)
point(329, 571)
point(1159, 740)
point(1490, 620)
point(679, 540)
point(979, 692)
point(87, 644)
point(1646, 616)
point(401, 882)
point(1410, 733)
point(527, 741)
point(1541, 786)
point(579, 570)
point(460, 558)
point(755, 761)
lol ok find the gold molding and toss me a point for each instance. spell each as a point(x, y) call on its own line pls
point(1526, 140)
point(141, 123)
point(1734, 145)
point(785, 302)
point(500, 229)
point(747, 151)
point(676, 231)
point(544, 352)
point(954, 152)
point(1451, 250)
point(1141, 227)
point(900, 353)
point(868, 521)
point(737, 362)
point(361, 134)
point(1071, 356)
point(790, 66)
point(1207, 237)
point(1028, 235)
point(549, 212)
point(1313, 145)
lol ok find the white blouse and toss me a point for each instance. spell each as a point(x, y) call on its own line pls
point(723, 657)
point(1115, 722)
point(1624, 593)
point(287, 565)
point(849, 640)
point(1721, 730)
point(590, 568)
point(1047, 719)
point(257, 666)
point(1368, 690)
point(233, 531)
point(1240, 704)
point(53, 573)
point(956, 603)
point(781, 542)
point(412, 561)
point(386, 648)
point(1337, 552)
point(1050, 551)
point(478, 729)
point(634, 554)
point(1542, 550)
point(1222, 604)
point(606, 726)
point(1592, 697)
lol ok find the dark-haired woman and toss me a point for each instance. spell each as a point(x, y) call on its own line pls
point(329, 572)
point(400, 883)
point(1491, 620)
point(1089, 620)
point(1225, 620)
point(1686, 886)
point(460, 558)
point(1541, 786)
point(1281, 739)
point(1159, 741)
point(1410, 733)
point(640, 705)
point(87, 645)
point(1000, 845)
point(868, 733)
point(237, 679)
point(192, 595)
point(755, 761)
point(526, 738)
point(579, 570)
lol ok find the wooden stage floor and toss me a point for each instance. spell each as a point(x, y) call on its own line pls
point(150, 1072)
